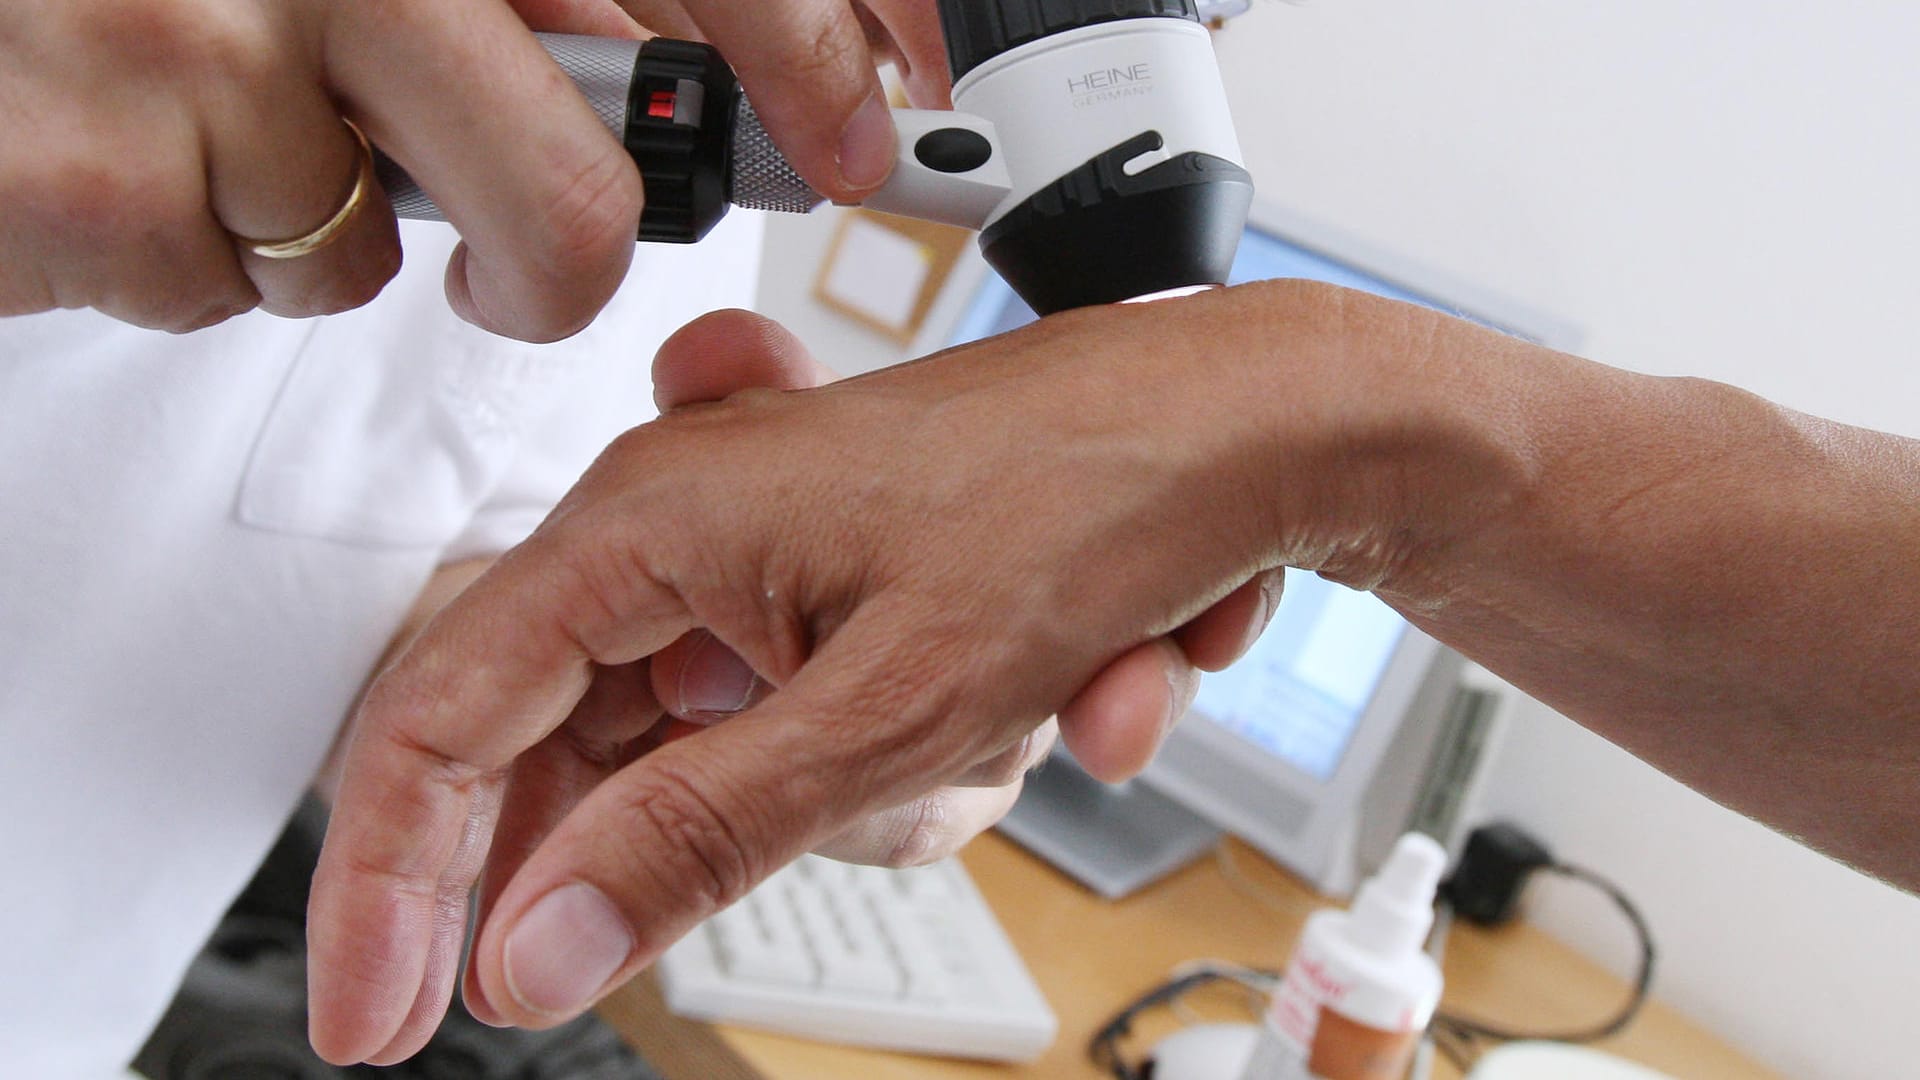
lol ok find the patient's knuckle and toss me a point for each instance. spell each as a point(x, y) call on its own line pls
point(671, 813)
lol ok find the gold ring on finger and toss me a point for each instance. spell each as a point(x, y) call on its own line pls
point(330, 231)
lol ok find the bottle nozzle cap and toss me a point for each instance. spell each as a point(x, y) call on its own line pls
point(1394, 909)
point(1412, 872)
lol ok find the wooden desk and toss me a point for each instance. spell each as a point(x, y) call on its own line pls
point(1092, 956)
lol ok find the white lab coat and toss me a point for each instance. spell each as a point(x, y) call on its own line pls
point(205, 542)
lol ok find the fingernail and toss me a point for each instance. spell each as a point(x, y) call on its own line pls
point(477, 1004)
point(1183, 682)
point(867, 146)
point(714, 682)
point(1271, 588)
point(459, 293)
point(565, 949)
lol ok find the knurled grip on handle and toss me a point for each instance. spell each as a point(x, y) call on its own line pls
point(605, 70)
point(762, 179)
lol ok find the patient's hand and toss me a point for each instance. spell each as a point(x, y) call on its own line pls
point(923, 566)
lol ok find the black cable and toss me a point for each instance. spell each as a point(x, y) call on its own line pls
point(1456, 1046)
point(1104, 1047)
point(1466, 1029)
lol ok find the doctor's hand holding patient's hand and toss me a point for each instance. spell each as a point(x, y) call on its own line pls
point(176, 162)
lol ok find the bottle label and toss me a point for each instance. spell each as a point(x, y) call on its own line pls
point(1342, 1049)
point(1308, 987)
point(1305, 1038)
point(1345, 1049)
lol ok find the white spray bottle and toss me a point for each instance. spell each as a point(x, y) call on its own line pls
point(1360, 989)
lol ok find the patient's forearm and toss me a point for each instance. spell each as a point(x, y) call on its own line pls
point(1727, 589)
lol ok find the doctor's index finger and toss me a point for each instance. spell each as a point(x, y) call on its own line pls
point(810, 71)
point(464, 98)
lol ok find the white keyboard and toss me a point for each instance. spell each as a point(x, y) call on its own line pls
point(908, 960)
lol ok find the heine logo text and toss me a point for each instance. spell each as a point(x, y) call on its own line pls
point(1111, 82)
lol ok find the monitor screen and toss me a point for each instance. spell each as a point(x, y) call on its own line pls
point(1300, 693)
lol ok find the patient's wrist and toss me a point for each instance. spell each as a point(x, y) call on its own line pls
point(1382, 433)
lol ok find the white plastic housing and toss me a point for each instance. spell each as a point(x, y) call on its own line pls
point(965, 199)
point(1062, 100)
point(1050, 106)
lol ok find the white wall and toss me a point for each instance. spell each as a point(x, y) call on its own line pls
point(795, 248)
point(1717, 188)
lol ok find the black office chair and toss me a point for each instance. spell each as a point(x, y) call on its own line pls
point(242, 1012)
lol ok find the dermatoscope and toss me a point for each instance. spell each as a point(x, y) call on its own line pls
point(1090, 144)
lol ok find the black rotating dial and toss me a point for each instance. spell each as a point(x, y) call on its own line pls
point(979, 30)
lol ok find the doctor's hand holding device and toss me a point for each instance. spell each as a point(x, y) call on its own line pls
point(1090, 144)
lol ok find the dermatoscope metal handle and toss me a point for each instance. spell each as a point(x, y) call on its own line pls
point(607, 70)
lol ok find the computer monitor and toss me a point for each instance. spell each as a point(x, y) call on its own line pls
point(1342, 727)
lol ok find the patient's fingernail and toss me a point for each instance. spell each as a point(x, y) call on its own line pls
point(1271, 586)
point(714, 682)
point(1271, 590)
point(565, 949)
point(1183, 682)
point(867, 146)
